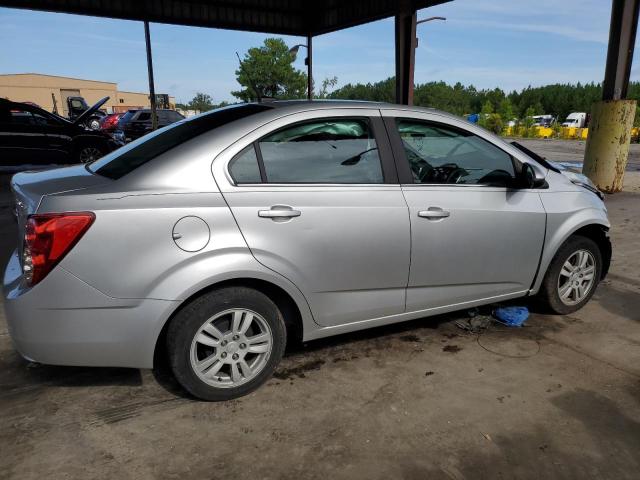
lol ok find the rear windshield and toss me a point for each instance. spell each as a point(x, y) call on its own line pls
point(126, 159)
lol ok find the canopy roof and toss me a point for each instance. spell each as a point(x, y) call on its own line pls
point(286, 17)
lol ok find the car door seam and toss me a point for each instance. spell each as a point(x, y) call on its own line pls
point(254, 256)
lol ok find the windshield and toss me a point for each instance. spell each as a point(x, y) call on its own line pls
point(126, 159)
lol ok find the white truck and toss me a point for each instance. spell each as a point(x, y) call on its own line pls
point(576, 119)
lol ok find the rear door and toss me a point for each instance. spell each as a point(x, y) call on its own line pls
point(316, 197)
point(474, 237)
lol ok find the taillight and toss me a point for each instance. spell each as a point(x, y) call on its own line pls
point(48, 238)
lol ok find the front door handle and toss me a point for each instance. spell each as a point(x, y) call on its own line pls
point(279, 211)
point(434, 213)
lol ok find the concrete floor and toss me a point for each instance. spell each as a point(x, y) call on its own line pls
point(559, 398)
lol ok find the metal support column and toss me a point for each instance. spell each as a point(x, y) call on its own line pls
point(405, 34)
point(152, 88)
point(607, 150)
point(309, 68)
point(622, 37)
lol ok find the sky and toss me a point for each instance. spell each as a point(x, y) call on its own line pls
point(508, 44)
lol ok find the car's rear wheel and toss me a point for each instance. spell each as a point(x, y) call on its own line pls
point(573, 276)
point(226, 343)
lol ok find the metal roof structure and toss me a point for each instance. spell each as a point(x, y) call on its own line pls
point(285, 17)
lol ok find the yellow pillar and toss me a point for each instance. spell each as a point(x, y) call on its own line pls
point(605, 157)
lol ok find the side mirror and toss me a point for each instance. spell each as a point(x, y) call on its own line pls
point(528, 177)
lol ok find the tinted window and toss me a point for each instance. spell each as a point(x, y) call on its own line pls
point(127, 116)
point(131, 156)
point(439, 154)
point(142, 116)
point(174, 116)
point(244, 167)
point(327, 151)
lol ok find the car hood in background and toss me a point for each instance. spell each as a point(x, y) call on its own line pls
point(87, 113)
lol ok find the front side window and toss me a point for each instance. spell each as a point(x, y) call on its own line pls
point(439, 154)
point(322, 151)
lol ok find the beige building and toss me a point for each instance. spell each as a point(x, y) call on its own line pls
point(43, 89)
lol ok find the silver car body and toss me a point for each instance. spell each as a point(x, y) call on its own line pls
point(357, 256)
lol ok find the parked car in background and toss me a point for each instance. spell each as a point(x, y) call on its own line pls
point(136, 123)
point(77, 106)
point(109, 123)
point(31, 135)
point(222, 237)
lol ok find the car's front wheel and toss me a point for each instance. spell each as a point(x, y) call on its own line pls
point(226, 343)
point(573, 276)
point(89, 153)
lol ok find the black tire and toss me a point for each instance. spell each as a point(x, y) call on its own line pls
point(187, 322)
point(549, 297)
point(95, 150)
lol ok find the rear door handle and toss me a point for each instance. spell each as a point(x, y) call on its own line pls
point(434, 213)
point(279, 211)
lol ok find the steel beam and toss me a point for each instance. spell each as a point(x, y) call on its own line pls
point(309, 68)
point(152, 88)
point(622, 37)
point(405, 35)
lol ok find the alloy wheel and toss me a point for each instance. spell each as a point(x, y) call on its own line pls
point(577, 277)
point(231, 348)
point(89, 154)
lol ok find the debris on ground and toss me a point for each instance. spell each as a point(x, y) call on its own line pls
point(511, 316)
point(476, 323)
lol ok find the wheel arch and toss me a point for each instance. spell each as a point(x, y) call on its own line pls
point(594, 229)
point(291, 311)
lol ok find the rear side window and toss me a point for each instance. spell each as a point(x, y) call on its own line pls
point(244, 166)
point(340, 150)
point(142, 116)
point(126, 159)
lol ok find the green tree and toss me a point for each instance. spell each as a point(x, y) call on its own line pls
point(202, 102)
point(506, 110)
point(487, 110)
point(269, 70)
point(327, 83)
point(528, 121)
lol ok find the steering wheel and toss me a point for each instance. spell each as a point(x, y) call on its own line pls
point(456, 175)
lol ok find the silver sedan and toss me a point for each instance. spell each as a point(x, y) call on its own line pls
point(223, 237)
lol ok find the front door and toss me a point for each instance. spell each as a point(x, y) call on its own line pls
point(317, 201)
point(474, 237)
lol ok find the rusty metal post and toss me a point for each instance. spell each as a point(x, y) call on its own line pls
point(405, 38)
point(607, 150)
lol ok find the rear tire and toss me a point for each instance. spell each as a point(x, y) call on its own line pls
point(572, 277)
point(226, 343)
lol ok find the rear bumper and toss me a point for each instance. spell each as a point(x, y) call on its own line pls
point(64, 321)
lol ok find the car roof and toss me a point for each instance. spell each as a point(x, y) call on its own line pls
point(305, 105)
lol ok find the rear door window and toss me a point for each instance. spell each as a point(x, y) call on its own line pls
point(341, 150)
point(244, 167)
